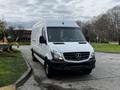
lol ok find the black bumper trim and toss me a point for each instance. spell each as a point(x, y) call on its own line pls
point(62, 65)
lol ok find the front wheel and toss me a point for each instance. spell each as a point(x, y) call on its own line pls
point(48, 70)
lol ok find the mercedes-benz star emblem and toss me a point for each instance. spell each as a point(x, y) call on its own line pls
point(78, 56)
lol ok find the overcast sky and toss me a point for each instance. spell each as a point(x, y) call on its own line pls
point(30, 10)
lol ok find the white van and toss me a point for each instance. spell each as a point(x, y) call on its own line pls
point(61, 45)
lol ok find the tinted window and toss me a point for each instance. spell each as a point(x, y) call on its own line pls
point(64, 34)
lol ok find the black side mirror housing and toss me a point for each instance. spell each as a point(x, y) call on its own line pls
point(42, 40)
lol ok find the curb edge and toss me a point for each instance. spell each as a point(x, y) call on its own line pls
point(25, 76)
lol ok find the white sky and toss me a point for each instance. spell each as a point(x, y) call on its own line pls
point(30, 10)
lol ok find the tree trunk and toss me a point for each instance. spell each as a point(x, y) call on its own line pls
point(118, 36)
point(10, 48)
point(119, 41)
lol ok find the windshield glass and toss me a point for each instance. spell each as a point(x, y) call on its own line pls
point(64, 34)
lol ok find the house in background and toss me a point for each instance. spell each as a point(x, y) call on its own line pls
point(20, 30)
point(22, 35)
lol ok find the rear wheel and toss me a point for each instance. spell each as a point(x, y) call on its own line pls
point(87, 71)
point(48, 70)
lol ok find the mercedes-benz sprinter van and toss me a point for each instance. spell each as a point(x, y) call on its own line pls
point(61, 45)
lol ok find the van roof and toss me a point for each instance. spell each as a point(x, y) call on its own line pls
point(61, 23)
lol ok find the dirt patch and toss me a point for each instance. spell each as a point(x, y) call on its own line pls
point(55, 87)
point(88, 88)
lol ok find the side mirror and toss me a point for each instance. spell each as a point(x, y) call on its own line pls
point(42, 40)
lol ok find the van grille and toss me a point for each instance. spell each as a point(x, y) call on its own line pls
point(76, 56)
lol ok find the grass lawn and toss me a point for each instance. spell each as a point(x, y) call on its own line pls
point(110, 48)
point(12, 66)
point(24, 43)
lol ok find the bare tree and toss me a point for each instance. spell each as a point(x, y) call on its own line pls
point(11, 34)
point(3, 30)
point(105, 27)
point(115, 21)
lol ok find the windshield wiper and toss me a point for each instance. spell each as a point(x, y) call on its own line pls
point(58, 42)
point(82, 42)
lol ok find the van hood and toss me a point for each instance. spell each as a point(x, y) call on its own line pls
point(71, 47)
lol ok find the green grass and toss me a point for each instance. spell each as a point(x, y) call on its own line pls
point(110, 48)
point(24, 43)
point(12, 66)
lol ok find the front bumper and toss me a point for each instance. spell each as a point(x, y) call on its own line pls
point(62, 65)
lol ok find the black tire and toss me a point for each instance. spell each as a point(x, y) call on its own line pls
point(33, 58)
point(87, 71)
point(48, 70)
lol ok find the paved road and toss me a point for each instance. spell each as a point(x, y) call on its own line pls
point(106, 75)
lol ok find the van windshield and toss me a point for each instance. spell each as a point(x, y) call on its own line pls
point(64, 34)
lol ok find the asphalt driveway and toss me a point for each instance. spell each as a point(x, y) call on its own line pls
point(106, 75)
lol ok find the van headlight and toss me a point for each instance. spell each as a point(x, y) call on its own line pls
point(93, 55)
point(57, 56)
